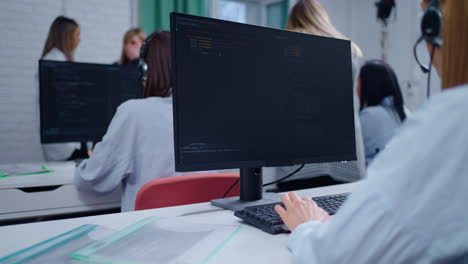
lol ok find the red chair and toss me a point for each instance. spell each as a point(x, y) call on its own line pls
point(186, 189)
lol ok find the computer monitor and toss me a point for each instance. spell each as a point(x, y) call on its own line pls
point(78, 100)
point(249, 97)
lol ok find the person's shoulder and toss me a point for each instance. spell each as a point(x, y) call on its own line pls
point(372, 113)
point(453, 97)
point(55, 55)
point(449, 104)
point(150, 104)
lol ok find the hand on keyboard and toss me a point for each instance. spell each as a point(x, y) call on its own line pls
point(267, 219)
point(299, 211)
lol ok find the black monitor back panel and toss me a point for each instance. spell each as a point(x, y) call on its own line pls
point(78, 100)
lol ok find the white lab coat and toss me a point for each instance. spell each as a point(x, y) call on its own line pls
point(411, 208)
point(137, 148)
point(58, 151)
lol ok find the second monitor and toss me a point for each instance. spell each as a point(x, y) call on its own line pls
point(78, 100)
point(249, 97)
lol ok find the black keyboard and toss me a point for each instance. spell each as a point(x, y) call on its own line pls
point(266, 218)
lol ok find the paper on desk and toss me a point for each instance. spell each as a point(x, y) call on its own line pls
point(57, 250)
point(22, 169)
point(153, 240)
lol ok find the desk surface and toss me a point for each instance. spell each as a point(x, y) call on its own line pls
point(62, 173)
point(22, 196)
point(249, 246)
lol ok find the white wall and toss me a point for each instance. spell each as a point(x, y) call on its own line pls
point(23, 26)
point(357, 20)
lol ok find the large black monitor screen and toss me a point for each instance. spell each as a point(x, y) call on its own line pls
point(248, 96)
point(78, 100)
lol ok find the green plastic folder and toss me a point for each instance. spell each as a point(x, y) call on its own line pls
point(57, 249)
point(22, 170)
point(155, 240)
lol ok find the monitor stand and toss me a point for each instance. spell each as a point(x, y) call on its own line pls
point(251, 192)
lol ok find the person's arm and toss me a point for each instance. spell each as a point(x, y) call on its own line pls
point(399, 213)
point(112, 158)
point(364, 231)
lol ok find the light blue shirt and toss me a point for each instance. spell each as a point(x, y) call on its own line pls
point(411, 208)
point(379, 124)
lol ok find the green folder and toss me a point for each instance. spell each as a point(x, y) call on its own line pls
point(58, 248)
point(22, 170)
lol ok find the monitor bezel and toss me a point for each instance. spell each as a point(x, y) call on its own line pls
point(184, 167)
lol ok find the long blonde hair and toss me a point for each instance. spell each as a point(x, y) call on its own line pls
point(127, 37)
point(308, 16)
point(455, 47)
point(60, 37)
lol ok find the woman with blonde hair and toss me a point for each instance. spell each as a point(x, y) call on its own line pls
point(308, 16)
point(132, 41)
point(411, 207)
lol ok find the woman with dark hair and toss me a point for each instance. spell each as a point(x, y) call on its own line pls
point(138, 146)
point(382, 106)
point(62, 41)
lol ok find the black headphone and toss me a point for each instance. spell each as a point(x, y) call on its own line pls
point(431, 24)
point(431, 30)
point(384, 10)
point(142, 66)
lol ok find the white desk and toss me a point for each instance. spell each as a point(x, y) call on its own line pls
point(20, 198)
point(250, 246)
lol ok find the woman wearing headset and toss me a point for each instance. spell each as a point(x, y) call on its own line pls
point(410, 208)
point(138, 146)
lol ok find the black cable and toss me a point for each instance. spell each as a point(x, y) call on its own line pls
point(424, 69)
point(429, 72)
point(285, 177)
point(230, 188)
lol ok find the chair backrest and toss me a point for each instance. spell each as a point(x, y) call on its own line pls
point(186, 189)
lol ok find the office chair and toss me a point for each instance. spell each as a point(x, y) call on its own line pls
point(186, 189)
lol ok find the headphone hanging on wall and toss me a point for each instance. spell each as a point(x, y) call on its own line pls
point(142, 66)
point(431, 31)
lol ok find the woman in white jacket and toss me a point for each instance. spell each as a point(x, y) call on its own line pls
point(411, 207)
point(138, 146)
point(62, 41)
